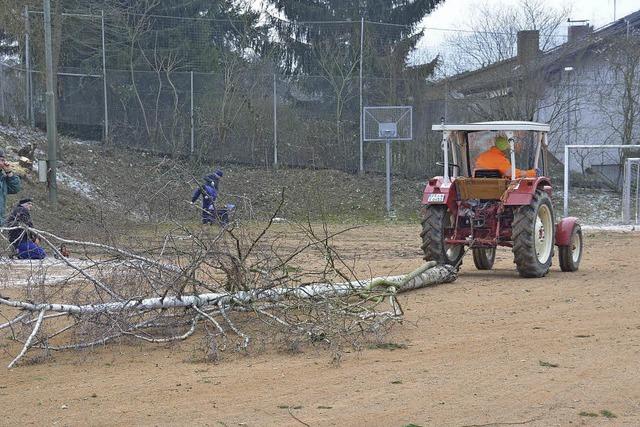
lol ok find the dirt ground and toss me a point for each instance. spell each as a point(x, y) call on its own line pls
point(489, 349)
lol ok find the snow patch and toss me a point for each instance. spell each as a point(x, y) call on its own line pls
point(83, 141)
point(25, 135)
point(49, 271)
point(11, 131)
point(78, 184)
point(612, 228)
point(70, 179)
point(598, 207)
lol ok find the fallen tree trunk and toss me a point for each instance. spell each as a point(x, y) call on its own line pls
point(427, 275)
point(227, 285)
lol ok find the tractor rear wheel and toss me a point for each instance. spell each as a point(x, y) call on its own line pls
point(483, 258)
point(571, 255)
point(533, 229)
point(435, 223)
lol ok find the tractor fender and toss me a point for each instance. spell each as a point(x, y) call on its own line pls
point(564, 229)
point(437, 192)
point(520, 193)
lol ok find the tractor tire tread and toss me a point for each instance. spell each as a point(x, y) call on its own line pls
point(481, 260)
point(524, 252)
point(565, 254)
point(432, 238)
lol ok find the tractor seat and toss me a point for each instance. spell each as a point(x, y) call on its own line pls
point(481, 188)
point(487, 173)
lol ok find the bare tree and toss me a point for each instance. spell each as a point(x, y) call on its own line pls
point(339, 66)
point(491, 33)
point(232, 103)
point(617, 88)
point(507, 87)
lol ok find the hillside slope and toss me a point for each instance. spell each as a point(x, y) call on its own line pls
point(109, 187)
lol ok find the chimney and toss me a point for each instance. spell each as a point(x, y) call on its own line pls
point(578, 32)
point(528, 45)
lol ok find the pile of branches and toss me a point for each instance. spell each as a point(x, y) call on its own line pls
point(233, 287)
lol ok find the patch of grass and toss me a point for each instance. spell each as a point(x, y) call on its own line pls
point(583, 336)
point(35, 360)
point(314, 337)
point(388, 346)
point(608, 414)
point(324, 407)
point(588, 414)
point(396, 382)
point(290, 407)
point(412, 425)
point(286, 269)
point(547, 364)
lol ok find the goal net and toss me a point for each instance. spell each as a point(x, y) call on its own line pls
point(631, 191)
point(599, 185)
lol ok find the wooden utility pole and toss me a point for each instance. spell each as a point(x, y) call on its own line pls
point(51, 109)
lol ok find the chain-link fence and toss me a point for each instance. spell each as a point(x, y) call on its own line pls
point(171, 88)
point(223, 90)
point(13, 103)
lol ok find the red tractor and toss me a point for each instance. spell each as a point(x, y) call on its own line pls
point(483, 201)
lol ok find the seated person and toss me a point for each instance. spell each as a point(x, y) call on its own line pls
point(24, 241)
point(497, 157)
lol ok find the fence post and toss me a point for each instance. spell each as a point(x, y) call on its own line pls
point(637, 191)
point(626, 192)
point(51, 108)
point(361, 119)
point(192, 129)
point(388, 174)
point(104, 81)
point(2, 112)
point(275, 124)
point(565, 210)
point(27, 76)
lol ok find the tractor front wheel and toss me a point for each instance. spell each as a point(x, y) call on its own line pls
point(533, 229)
point(571, 255)
point(483, 258)
point(437, 224)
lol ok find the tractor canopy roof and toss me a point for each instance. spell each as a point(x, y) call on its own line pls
point(500, 126)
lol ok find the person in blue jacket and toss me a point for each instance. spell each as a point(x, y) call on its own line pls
point(216, 178)
point(209, 195)
point(24, 241)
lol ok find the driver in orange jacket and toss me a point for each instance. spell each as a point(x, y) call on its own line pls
point(497, 157)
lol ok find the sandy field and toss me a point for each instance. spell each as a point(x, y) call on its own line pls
point(488, 349)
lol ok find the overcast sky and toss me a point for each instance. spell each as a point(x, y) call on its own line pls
point(453, 13)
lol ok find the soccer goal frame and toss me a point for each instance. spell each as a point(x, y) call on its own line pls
point(631, 177)
point(567, 161)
